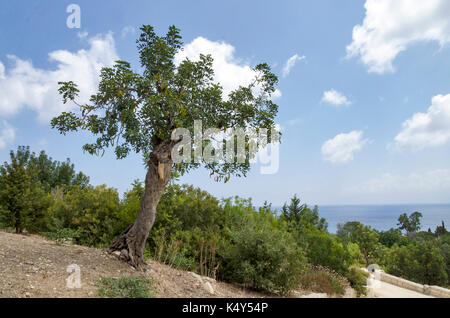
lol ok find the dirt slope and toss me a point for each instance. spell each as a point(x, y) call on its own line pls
point(32, 266)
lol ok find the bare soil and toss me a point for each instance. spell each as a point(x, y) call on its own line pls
point(33, 266)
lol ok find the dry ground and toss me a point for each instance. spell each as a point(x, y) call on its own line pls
point(32, 266)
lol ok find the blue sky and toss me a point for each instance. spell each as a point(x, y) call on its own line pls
point(364, 110)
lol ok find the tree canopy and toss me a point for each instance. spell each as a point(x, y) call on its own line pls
point(138, 111)
point(410, 223)
point(363, 235)
point(301, 217)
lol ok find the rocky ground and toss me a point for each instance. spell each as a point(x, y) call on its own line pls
point(32, 266)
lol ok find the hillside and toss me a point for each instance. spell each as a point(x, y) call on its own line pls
point(32, 266)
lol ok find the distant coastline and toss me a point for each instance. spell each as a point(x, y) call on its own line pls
point(383, 217)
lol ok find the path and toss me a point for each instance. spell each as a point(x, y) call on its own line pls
point(386, 290)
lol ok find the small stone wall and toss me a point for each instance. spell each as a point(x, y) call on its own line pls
point(435, 291)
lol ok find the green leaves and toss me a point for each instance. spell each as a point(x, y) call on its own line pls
point(137, 111)
point(420, 262)
point(410, 223)
point(66, 122)
point(126, 287)
point(23, 201)
point(91, 212)
point(301, 218)
point(263, 257)
point(68, 90)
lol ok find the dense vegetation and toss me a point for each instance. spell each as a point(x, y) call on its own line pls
point(422, 257)
point(228, 239)
point(150, 112)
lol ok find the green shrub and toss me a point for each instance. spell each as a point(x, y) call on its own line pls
point(421, 262)
point(358, 280)
point(327, 250)
point(380, 256)
point(3, 222)
point(24, 204)
point(126, 287)
point(170, 251)
point(366, 238)
point(202, 247)
point(393, 236)
point(445, 252)
point(61, 236)
point(263, 258)
point(91, 211)
point(322, 280)
point(188, 229)
point(445, 238)
point(130, 206)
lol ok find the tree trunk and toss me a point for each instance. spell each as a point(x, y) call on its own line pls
point(131, 243)
point(18, 222)
point(366, 259)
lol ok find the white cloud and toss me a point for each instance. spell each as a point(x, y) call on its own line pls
point(24, 85)
point(229, 71)
point(290, 63)
point(434, 180)
point(335, 98)
point(390, 26)
point(7, 134)
point(128, 30)
point(277, 94)
point(2, 71)
point(341, 149)
point(430, 129)
point(82, 35)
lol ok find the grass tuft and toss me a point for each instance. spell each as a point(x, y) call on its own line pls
point(126, 287)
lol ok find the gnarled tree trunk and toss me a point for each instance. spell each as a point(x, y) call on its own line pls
point(131, 243)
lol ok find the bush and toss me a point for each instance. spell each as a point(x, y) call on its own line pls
point(188, 229)
point(319, 279)
point(3, 222)
point(366, 238)
point(393, 236)
point(263, 258)
point(90, 211)
point(445, 252)
point(202, 247)
point(327, 250)
point(126, 287)
point(170, 251)
point(131, 204)
point(358, 280)
point(23, 203)
point(420, 262)
point(61, 236)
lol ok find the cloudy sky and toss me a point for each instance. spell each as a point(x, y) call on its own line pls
point(364, 91)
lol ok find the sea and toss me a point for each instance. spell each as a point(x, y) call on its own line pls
point(384, 217)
